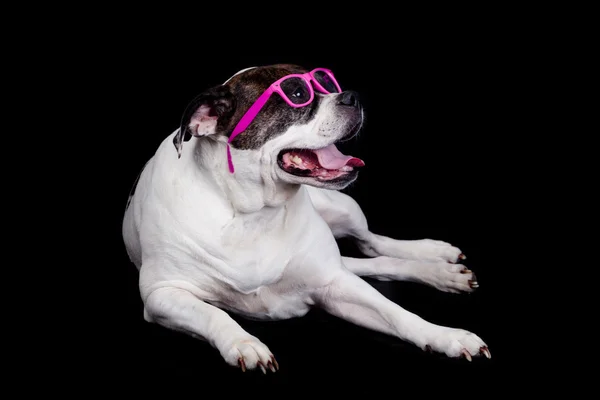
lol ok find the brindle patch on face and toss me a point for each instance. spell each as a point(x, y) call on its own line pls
point(275, 117)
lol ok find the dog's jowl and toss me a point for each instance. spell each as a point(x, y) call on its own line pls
point(215, 224)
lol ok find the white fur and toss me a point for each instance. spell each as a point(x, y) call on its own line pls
point(262, 244)
point(237, 73)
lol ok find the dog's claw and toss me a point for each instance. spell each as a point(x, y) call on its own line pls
point(242, 364)
point(465, 271)
point(486, 352)
point(466, 355)
point(271, 367)
point(275, 363)
point(462, 257)
point(262, 368)
point(473, 284)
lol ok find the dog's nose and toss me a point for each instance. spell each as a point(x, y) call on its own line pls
point(348, 98)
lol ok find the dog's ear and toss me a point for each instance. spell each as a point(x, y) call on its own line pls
point(204, 115)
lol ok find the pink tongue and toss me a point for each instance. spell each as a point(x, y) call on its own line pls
point(331, 158)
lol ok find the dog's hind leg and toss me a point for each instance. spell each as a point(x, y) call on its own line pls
point(349, 297)
point(453, 278)
point(346, 219)
point(180, 310)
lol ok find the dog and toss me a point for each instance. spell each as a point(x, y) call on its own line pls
point(239, 209)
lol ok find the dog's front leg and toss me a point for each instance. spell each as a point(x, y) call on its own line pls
point(180, 310)
point(346, 219)
point(349, 297)
point(447, 277)
point(375, 245)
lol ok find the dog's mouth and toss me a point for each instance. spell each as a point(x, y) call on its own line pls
point(323, 164)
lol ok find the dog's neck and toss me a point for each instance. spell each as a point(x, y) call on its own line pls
point(253, 186)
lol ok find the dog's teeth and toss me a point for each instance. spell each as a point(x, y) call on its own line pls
point(347, 168)
point(296, 160)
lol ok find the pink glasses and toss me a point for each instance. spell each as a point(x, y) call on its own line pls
point(295, 89)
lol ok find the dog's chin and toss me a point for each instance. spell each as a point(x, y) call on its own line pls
point(324, 168)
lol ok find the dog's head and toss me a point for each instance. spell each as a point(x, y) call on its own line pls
point(294, 145)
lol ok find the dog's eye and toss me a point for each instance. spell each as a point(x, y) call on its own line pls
point(296, 90)
point(299, 92)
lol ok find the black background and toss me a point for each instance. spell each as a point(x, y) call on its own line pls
point(438, 100)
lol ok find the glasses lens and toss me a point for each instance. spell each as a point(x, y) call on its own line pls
point(296, 90)
point(327, 81)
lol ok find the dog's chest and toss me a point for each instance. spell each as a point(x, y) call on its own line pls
point(259, 247)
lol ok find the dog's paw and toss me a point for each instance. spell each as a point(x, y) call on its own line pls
point(436, 250)
point(451, 278)
point(456, 343)
point(250, 353)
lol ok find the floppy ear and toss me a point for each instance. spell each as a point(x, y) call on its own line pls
point(204, 115)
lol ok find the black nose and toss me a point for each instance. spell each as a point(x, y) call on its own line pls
point(348, 98)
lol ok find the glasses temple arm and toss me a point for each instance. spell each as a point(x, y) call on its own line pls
point(249, 116)
point(245, 121)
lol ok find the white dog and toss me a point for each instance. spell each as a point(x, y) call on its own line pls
point(256, 236)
